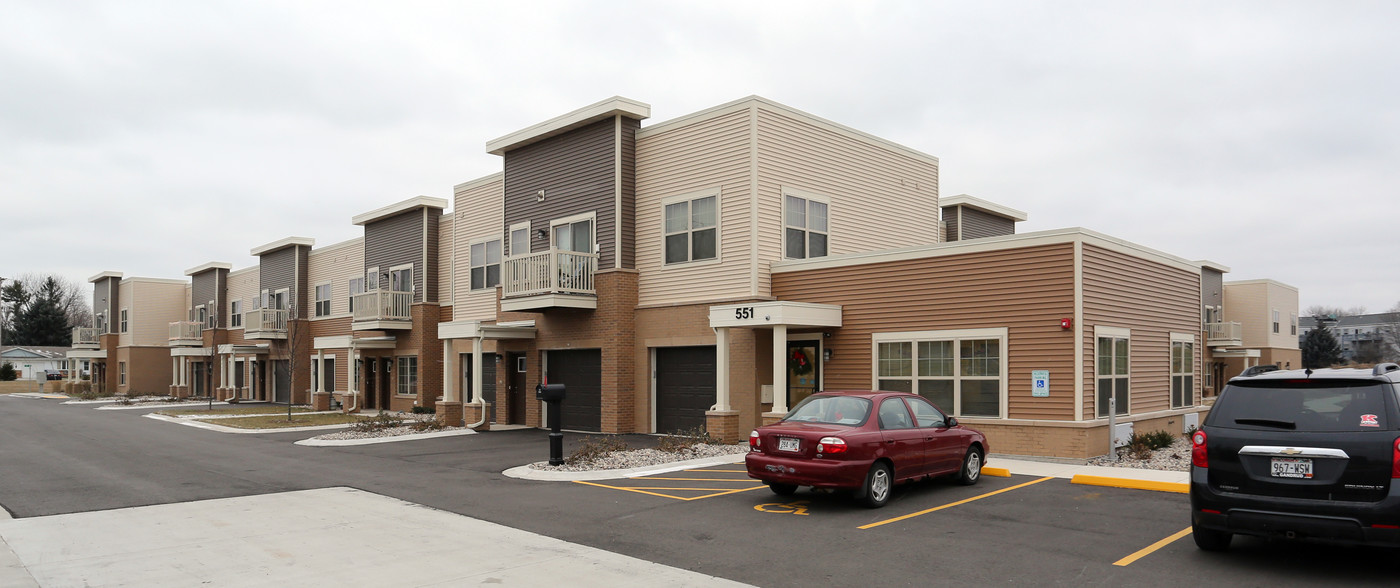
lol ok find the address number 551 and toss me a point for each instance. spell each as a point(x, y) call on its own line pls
point(742, 313)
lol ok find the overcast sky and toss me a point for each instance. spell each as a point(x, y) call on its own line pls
point(149, 138)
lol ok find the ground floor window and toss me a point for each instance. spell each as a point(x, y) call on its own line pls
point(408, 375)
point(1183, 370)
point(1112, 354)
point(963, 371)
point(121, 373)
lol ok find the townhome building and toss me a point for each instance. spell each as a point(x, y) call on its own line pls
point(128, 346)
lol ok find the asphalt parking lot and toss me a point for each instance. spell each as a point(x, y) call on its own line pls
point(1018, 530)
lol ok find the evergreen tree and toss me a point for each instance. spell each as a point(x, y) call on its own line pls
point(1320, 348)
point(8, 373)
point(37, 316)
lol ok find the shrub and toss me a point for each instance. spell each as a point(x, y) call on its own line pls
point(596, 447)
point(684, 439)
point(378, 422)
point(424, 410)
point(8, 373)
point(429, 424)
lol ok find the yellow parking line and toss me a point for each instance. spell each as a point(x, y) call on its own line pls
point(665, 488)
point(725, 471)
point(628, 490)
point(735, 491)
point(952, 504)
point(1144, 552)
point(696, 479)
point(648, 490)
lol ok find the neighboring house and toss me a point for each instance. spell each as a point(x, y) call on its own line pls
point(1257, 325)
point(1362, 337)
point(31, 362)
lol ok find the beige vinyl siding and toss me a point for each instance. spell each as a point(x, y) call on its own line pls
point(1151, 299)
point(335, 264)
point(1248, 304)
point(709, 154)
point(444, 260)
point(124, 295)
point(478, 212)
point(242, 285)
point(880, 198)
point(1026, 290)
point(154, 305)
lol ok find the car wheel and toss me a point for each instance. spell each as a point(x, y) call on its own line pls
point(879, 484)
point(971, 470)
point(783, 489)
point(1210, 539)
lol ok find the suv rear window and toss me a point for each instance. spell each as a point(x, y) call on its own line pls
point(1303, 405)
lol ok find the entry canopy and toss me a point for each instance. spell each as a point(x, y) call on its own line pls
point(479, 330)
point(87, 354)
point(1235, 353)
point(242, 349)
point(775, 313)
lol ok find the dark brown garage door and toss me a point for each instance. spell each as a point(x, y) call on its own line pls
point(685, 387)
point(581, 373)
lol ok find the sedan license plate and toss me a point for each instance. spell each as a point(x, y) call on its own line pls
point(789, 444)
point(1287, 467)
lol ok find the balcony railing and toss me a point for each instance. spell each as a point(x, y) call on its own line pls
point(186, 332)
point(265, 320)
point(549, 272)
point(383, 305)
point(1224, 334)
point(85, 336)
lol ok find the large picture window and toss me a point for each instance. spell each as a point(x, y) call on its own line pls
point(804, 227)
point(1183, 371)
point(486, 264)
point(962, 372)
point(691, 229)
point(1112, 371)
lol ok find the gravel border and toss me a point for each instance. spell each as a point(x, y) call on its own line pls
point(640, 458)
point(1173, 458)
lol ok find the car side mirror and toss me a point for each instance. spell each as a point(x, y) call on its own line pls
point(952, 422)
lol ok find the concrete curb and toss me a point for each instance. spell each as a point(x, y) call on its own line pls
point(1175, 487)
point(161, 406)
point(374, 440)
point(240, 416)
point(103, 401)
point(525, 472)
point(223, 429)
point(996, 472)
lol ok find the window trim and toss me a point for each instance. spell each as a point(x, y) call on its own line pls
point(783, 226)
point(121, 373)
point(1275, 321)
point(717, 193)
point(1125, 333)
point(1001, 334)
point(413, 376)
point(1179, 339)
point(235, 313)
point(506, 241)
point(591, 216)
point(317, 300)
point(412, 279)
point(125, 317)
point(471, 264)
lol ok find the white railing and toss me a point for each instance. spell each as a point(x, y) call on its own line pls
point(265, 320)
point(548, 272)
point(186, 331)
point(383, 305)
point(84, 336)
point(1222, 333)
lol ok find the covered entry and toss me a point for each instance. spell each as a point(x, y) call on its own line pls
point(685, 387)
point(779, 316)
point(581, 372)
point(477, 368)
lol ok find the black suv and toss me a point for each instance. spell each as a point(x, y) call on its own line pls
point(1300, 454)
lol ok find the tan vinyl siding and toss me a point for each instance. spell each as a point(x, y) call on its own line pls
point(125, 296)
point(154, 305)
point(880, 198)
point(1248, 304)
point(1026, 290)
point(1153, 300)
point(479, 212)
point(335, 264)
point(444, 260)
point(710, 154)
point(242, 286)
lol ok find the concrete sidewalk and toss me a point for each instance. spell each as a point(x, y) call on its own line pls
point(326, 537)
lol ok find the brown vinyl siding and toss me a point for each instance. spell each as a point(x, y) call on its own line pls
point(1212, 288)
point(432, 218)
point(977, 224)
point(105, 297)
point(1026, 290)
point(209, 285)
point(1153, 300)
point(576, 171)
point(398, 240)
point(277, 270)
point(627, 225)
point(950, 220)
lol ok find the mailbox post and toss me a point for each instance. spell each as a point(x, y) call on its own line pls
point(553, 396)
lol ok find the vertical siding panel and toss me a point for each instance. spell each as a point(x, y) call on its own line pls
point(627, 225)
point(576, 171)
point(394, 241)
point(480, 214)
point(444, 259)
point(432, 223)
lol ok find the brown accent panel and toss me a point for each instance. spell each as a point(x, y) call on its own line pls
point(105, 294)
point(576, 171)
point(147, 369)
point(277, 270)
point(398, 240)
point(1153, 300)
point(977, 224)
point(627, 225)
point(1212, 287)
point(950, 217)
point(210, 285)
point(432, 219)
point(1027, 290)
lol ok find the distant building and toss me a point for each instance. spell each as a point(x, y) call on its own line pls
point(1361, 336)
point(31, 361)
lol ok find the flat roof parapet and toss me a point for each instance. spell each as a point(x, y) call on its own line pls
point(570, 121)
point(281, 244)
point(398, 208)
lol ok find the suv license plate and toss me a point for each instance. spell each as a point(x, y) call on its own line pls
point(1282, 467)
point(788, 444)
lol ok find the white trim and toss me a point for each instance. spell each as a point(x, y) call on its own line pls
point(507, 240)
point(105, 275)
point(1261, 281)
point(330, 292)
point(281, 244)
point(976, 203)
point(1078, 331)
point(471, 263)
point(481, 181)
point(786, 191)
point(1183, 337)
point(208, 266)
point(1001, 334)
point(1126, 334)
point(753, 201)
point(1106, 331)
point(775, 313)
point(398, 208)
point(896, 336)
point(167, 281)
point(1211, 265)
point(614, 106)
point(691, 197)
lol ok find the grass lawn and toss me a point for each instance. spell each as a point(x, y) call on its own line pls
point(273, 421)
point(282, 410)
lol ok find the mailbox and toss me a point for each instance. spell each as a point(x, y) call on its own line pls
point(549, 392)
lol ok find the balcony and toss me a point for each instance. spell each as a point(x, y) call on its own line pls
point(85, 337)
point(549, 279)
point(1224, 335)
point(265, 323)
point(382, 309)
point(186, 333)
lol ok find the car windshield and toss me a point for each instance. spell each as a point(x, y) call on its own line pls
point(831, 410)
point(1303, 405)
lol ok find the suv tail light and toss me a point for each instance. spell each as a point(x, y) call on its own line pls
point(1198, 450)
point(1395, 460)
point(831, 445)
point(754, 442)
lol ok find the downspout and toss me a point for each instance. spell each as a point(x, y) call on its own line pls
point(476, 378)
point(354, 394)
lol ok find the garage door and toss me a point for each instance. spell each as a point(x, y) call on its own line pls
point(685, 387)
point(581, 373)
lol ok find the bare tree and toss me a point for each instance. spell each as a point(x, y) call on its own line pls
point(295, 338)
point(73, 299)
point(1323, 310)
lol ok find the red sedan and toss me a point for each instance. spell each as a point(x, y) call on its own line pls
point(863, 441)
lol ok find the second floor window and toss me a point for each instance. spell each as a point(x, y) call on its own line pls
point(357, 286)
point(235, 318)
point(691, 229)
point(486, 264)
point(1275, 322)
point(323, 300)
point(804, 227)
point(122, 324)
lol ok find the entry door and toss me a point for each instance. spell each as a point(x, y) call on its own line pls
point(371, 396)
point(804, 370)
point(281, 381)
point(197, 378)
point(515, 363)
